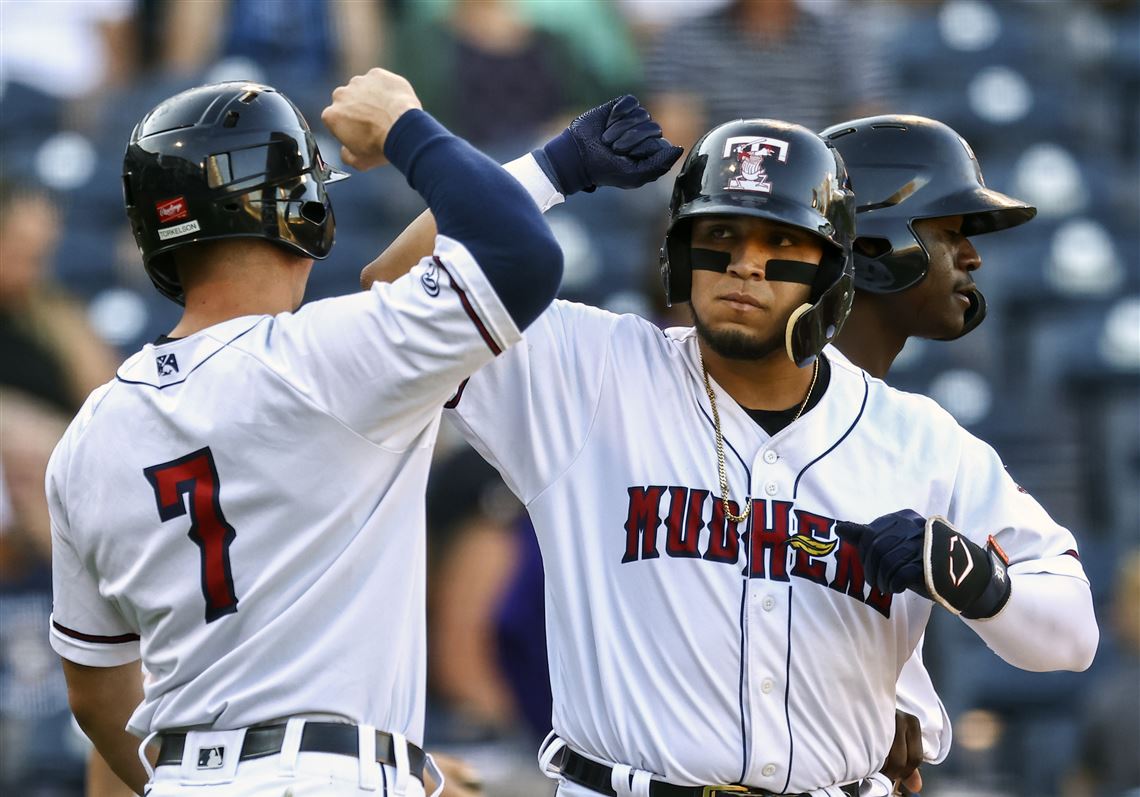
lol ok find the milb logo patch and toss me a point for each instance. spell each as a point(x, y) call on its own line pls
point(167, 364)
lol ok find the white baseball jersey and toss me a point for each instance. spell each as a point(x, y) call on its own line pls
point(244, 508)
point(701, 650)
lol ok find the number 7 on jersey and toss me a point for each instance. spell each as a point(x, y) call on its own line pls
point(196, 475)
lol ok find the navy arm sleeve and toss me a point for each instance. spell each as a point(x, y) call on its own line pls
point(478, 204)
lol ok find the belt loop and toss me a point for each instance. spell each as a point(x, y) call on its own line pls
point(619, 780)
point(366, 753)
point(400, 750)
point(143, 757)
point(876, 785)
point(551, 746)
point(291, 746)
point(640, 785)
point(436, 773)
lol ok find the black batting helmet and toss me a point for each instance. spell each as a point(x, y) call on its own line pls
point(905, 168)
point(228, 160)
point(782, 172)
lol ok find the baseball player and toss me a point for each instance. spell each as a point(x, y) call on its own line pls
point(242, 507)
point(743, 539)
point(920, 195)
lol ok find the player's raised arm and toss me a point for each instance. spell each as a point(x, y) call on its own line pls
point(377, 117)
point(615, 144)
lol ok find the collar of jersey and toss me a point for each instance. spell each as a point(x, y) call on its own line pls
point(190, 351)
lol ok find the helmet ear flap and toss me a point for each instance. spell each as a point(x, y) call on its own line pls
point(811, 327)
point(676, 265)
point(790, 345)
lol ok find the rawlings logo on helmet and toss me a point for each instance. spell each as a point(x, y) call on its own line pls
point(171, 210)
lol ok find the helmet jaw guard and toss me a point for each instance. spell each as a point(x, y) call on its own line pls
point(905, 168)
point(813, 326)
point(228, 160)
point(781, 172)
point(975, 314)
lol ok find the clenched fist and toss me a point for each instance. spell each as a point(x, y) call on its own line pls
point(363, 112)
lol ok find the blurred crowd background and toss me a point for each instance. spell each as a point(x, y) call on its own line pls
point(1047, 92)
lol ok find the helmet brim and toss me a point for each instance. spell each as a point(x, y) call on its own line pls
point(771, 208)
point(983, 210)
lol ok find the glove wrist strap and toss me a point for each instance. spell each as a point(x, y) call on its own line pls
point(995, 595)
point(961, 575)
point(563, 164)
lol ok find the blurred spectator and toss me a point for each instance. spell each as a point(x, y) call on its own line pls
point(56, 57)
point(520, 623)
point(809, 63)
point(41, 755)
point(300, 41)
point(471, 557)
point(474, 709)
point(489, 74)
point(600, 36)
point(1109, 763)
point(47, 348)
point(647, 18)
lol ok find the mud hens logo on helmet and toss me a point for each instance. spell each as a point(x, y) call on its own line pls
point(748, 154)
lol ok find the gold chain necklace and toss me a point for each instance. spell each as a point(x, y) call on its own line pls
point(724, 494)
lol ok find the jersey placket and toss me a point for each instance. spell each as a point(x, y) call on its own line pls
point(769, 616)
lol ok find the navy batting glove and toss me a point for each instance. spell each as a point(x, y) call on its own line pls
point(903, 550)
point(891, 550)
point(616, 144)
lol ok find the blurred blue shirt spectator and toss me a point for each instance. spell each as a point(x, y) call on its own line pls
point(809, 63)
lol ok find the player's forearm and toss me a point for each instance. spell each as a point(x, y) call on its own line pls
point(1047, 624)
point(417, 241)
point(102, 700)
point(101, 781)
point(118, 748)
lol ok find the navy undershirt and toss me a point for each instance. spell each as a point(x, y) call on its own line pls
point(773, 421)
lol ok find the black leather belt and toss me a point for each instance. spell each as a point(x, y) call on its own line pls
point(596, 777)
point(316, 737)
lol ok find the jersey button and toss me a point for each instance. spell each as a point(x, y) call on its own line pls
point(769, 603)
point(771, 488)
point(769, 770)
point(771, 457)
point(766, 685)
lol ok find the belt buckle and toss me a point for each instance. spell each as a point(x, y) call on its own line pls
point(726, 788)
